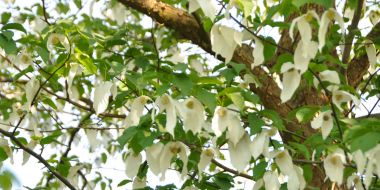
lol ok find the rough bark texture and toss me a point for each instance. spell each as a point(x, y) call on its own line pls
point(269, 92)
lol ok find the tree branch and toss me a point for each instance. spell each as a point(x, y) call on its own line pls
point(39, 158)
point(351, 29)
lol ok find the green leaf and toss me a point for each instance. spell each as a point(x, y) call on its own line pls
point(276, 119)
point(237, 99)
point(255, 123)
point(78, 3)
point(14, 26)
point(224, 181)
point(247, 6)
point(49, 102)
point(6, 180)
point(5, 17)
point(3, 154)
point(326, 3)
point(183, 82)
point(259, 170)
point(124, 182)
point(51, 138)
point(207, 98)
point(237, 66)
point(364, 133)
point(127, 135)
point(23, 72)
point(7, 44)
point(43, 53)
point(269, 49)
point(86, 61)
point(304, 114)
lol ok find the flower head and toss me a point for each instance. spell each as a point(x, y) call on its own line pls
point(327, 16)
point(166, 103)
point(225, 118)
point(334, 166)
point(224, 40)
point(192, 113)
point(325, 121)
point(290, 81)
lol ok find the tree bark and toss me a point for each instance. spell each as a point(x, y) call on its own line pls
point(269, 92)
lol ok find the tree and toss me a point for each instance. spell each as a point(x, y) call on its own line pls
point(269, 88)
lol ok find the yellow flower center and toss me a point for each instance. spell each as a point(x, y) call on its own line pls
point(222, 112)
point(339, 97)
point(143, 100)
point(55, 40)
point(209, 153)
point(335, 160)
point(308, 17)
point(175, 149)
point(272, 132)
point(281, 155)
point(330, 14)
point(25, 58)
point(165, 100)
point(326, 118)
point(190, 104)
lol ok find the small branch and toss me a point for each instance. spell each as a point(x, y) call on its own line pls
point(335, 115)
point(225, 168)
point(71, 140)
point(363, 90)
point(44, 12)
point(351, 29)
point(39, 158)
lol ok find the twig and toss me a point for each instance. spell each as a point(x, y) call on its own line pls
point(44, 12)
point(225, 168)
point(335, 115)
point(363, 90)
point(351, 29)
point(39, 158)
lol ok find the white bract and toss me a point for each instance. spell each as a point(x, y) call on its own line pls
point(354, 181)
point(101, 96)
point(303, 53)
point(334, 166)
point(260, 144)
point(360, 160)
point(239, 153)
point(225, 118)
point(137, 109)
point(324, 121)
point(296, 180)
point(117, 13)
point(209, 7)
point(75, 69)
point(340, 96)
point(258, 53)
point(371, 54)
point(206, 156)
point(139, 183)
point(325, 21)
point(153, 156)
point(23, 60)
point(271, 181)
point(306, 48)
point(132, 164)
point(290, 81)
point(327, 75)
point(193, 114)
point(55, 39)
point(31, 89)
point(166, 103)
point(170, 150)
point(224, 40)
point(304, 27)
